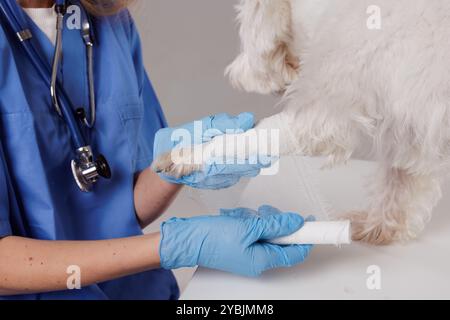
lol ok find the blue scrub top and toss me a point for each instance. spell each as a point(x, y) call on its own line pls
point(38, 196)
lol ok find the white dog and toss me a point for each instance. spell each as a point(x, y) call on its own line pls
point(354, 68)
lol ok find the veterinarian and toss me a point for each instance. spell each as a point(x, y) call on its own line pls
point(76, 188)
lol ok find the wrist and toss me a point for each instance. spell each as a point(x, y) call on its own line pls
point(152, 196)
point(176, 248)
point(152, 242)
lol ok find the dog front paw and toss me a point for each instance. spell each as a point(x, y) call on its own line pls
point(371, 232)
point(176, 164)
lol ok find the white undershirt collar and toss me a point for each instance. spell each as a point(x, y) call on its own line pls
point(45, 19)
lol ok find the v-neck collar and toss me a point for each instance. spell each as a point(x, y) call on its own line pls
point(73, 69)
point(46, 18)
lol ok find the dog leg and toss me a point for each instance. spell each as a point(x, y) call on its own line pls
point(402, 204)
point(271, 138)
point(266, 63)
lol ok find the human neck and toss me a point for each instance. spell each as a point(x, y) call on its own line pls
point(36, 3)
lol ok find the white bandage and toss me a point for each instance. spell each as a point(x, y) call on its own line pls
point(271, 138)
point(322, 233)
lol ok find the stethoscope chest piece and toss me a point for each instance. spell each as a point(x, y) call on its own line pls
point(87, 171)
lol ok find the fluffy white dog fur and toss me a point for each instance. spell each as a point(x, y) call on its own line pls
point(342, 80)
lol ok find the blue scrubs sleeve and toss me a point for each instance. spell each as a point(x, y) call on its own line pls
point(153, 120)
point(5, 226)
point(153, 117)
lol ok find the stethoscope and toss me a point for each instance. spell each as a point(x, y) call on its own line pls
point(86, 168)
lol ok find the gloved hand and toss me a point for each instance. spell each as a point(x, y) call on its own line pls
point(232, 242)
point(214, 176)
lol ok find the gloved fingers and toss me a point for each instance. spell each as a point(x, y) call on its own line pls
point(215, 182)
point(220, 176)
point(195, 178)
point(296, 254)
point(263, 211)
point(200, 180)
point(234, 170)
point(205, 180)
point(251, 173)
point(242, 170)
point(267, 210)
point(238, 213)
point(285, 256)
point(272, 226)
point(223, 122)
point(211, 126)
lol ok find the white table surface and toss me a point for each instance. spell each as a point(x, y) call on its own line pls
point(417, 270)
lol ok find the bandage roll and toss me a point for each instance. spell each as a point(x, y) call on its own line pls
point(321, 233)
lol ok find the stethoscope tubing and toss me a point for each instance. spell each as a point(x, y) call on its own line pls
point(44, 71)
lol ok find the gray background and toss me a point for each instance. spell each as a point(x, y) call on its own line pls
point(187, 45)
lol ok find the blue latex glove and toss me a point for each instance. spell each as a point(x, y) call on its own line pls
point(232, 242)
point(214, 176)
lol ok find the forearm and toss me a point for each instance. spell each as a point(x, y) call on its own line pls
point(152, 196)
point(32, 266)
